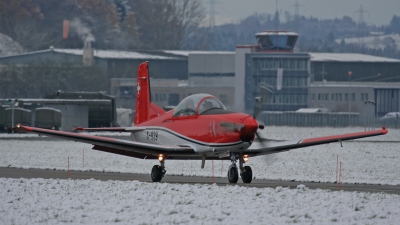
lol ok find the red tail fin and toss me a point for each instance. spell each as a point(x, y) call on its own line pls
point(145, 109)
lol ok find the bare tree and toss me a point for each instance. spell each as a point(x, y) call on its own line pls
point(33, 36)
point(169, 24)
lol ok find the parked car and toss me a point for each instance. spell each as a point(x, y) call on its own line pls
point(390, 115)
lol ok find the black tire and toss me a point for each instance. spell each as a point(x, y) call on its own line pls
point(156, 173)
point(247, 175)
point(233, 175)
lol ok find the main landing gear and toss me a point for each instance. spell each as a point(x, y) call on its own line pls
point(245, 172)
point(158, 171)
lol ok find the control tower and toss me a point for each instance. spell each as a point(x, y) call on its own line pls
point(272, 70)
point(276, 41)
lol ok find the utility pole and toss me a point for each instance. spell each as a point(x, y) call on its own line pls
point(348, 95)
point(361, 24)
point(297, 6)
point(212, 15)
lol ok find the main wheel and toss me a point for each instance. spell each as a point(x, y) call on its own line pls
point(233, 175)
point(247, 174)
point(156, 173)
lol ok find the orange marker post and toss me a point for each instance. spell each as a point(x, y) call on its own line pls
point(337, 168)
point(222, 166)
point(83, 159)
point(68, 169)
point(212, 161)
point(340, 176)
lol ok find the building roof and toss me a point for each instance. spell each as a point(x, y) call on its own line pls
point(348, 57)
point(357, 84)
point(186, 53)
point(113, 54)
point(274, 32)
point(312, 110)
point(105, 54)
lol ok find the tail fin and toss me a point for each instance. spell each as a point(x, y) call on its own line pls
point(145, 109)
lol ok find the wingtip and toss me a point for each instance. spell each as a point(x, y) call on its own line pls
point(385, 131)
point(79, 128)
point(19, 127)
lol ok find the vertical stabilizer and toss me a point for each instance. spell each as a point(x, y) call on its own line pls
point(145, 110)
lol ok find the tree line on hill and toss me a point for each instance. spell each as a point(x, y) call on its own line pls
point(110, 24)
point(151, 25)
point(172, 25)
point(314, 35)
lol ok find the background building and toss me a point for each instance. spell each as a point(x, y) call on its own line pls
point(287, 81)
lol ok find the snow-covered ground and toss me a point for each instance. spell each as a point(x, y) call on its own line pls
point(34, 201)
point(49, 201)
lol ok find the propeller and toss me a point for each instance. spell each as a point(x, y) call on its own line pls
point(266, 91)
point(256, 111)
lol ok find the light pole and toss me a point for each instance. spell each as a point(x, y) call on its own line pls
point(365, 115)
point(370, 119)
point(362, 78)
point(12, 103)
point(348, 96)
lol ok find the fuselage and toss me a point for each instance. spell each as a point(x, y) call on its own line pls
point(217, 130)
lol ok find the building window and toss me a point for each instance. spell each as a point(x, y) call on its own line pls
point(353, 97)
point(364, 97)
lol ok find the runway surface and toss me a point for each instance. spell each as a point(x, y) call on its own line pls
point(59, 174)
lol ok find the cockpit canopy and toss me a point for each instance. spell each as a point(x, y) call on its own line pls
point(197, 104)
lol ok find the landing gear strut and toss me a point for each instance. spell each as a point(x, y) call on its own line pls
point(245, 172)
point(158, 171)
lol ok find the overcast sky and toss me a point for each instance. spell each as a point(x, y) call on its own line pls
point(377, 12)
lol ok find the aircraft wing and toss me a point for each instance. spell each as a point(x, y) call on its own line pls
point(112, 145)
point(270, 147)
point(114, 129)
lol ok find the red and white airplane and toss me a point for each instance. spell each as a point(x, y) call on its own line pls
point(199, 128)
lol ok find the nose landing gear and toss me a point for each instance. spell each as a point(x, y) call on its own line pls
point(158, 171)
point(245, 172)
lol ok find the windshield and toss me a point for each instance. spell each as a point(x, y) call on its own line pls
point(197, 104)
point(209, 103)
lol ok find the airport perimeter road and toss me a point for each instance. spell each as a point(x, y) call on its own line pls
point(59, 174)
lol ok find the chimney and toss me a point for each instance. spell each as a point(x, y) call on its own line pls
point(88, 54)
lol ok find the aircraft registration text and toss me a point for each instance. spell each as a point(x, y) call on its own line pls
point(152, 135)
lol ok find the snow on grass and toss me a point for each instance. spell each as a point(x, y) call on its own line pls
point(362, 161)
point(33, 201)
point(50, 201)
